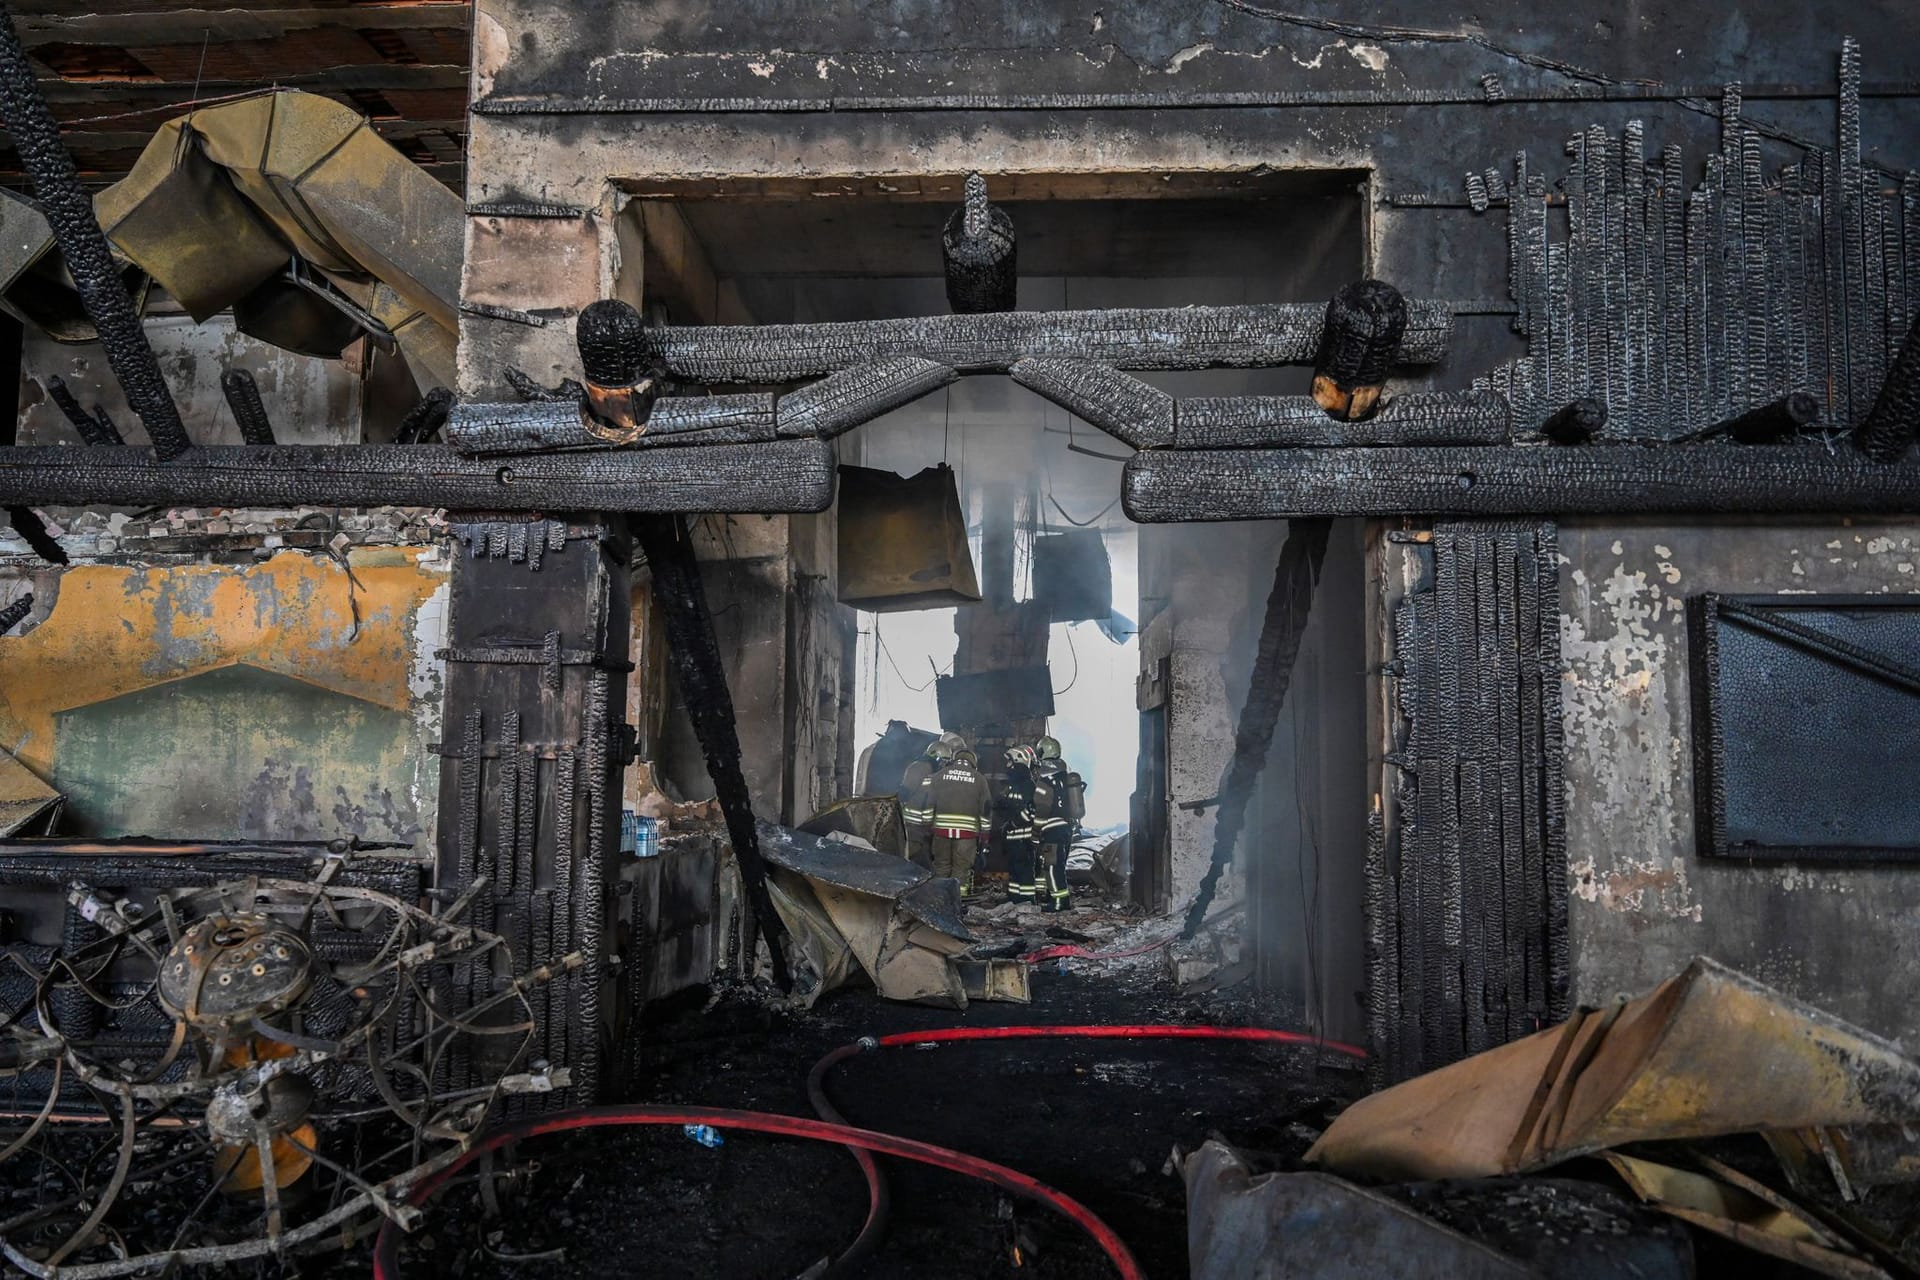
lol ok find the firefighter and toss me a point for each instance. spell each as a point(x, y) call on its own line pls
point(916, 807)
point(1018, 831)
point(958, 794)
point(1059, 802)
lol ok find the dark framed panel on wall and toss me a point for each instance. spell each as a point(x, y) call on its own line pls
point(1806, 726)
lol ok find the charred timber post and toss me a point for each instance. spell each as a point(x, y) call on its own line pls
point(1773, 422)
point(1359, 342)
point(978, 251)
point(33, 531)
point(621, 384)
point(69, 213)
point(1577, 423)
point(18, 609)
point(94, 428)
point(682, 600)
point(1887, 433)
point(243, 397)
point(426, 417)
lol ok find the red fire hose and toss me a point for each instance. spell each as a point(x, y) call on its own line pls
point(386, 1250)
point(877, 1197)
point(862, 1142)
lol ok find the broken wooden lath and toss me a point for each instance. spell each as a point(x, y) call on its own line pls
point(1680, 309)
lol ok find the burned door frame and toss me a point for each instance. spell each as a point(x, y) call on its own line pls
point(538, 632)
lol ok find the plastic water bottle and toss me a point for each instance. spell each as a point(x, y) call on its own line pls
point(704, 1134)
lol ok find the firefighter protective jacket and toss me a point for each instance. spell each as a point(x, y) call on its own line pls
point(959, 798)
point(916, 806)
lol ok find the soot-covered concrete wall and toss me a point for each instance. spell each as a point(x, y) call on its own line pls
point(1643, 900)
point(291, 697)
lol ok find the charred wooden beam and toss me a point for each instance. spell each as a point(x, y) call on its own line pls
point(555, 426)
point(1413, 417)
point(1887, 433)
point(528, 389)
point(781, 475)
point(69, 211)
point(621, 381)
point(34, 532)
point(1771, 423)
point(243, 397)
point(844, 400)
point(681, 597)
point(978, 251)
point(1169, 485)
point(425, 418)
point(16, 610)
point(1577, 422)
point(1359, 339)
point(1131, 411)
point(94, 428)
point(1255, 336)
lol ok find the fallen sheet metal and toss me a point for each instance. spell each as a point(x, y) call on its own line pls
point(875, 819)
point(1748, 1214)
point(1296, 1226)
point(1707, 1053)
point(849, 906)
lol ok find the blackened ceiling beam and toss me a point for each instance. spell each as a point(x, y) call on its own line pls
point(1262, 335)
point(1163, 486)
point(779, 475)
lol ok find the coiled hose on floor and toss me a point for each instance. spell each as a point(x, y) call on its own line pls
point(386, 1250)
point(863, 1143)
point(878, 1199)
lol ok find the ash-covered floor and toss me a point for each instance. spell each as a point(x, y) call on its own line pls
point(1096, 1119)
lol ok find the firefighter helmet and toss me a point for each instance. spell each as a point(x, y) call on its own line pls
point(1047, 748)
point(1019, 754)
point(940, 750)
point(965, 756)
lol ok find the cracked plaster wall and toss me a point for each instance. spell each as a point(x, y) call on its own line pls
point(1643, 902)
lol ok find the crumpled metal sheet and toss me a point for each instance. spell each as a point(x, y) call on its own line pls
point(1746, 1213)
point(875, 819)
point(223, 198)
point(1707, 1053)
point(900, 924)
point(1296, 1226)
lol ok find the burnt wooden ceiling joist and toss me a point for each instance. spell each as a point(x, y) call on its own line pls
point(112, 74)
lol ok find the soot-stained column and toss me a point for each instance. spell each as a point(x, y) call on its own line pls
point(533, 742)
point(69, 213)
point(1281, 632)
point(681, 598)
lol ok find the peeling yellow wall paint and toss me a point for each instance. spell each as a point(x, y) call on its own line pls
point(115, 629)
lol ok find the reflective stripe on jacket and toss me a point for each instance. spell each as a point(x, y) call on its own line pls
point(957, 799)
